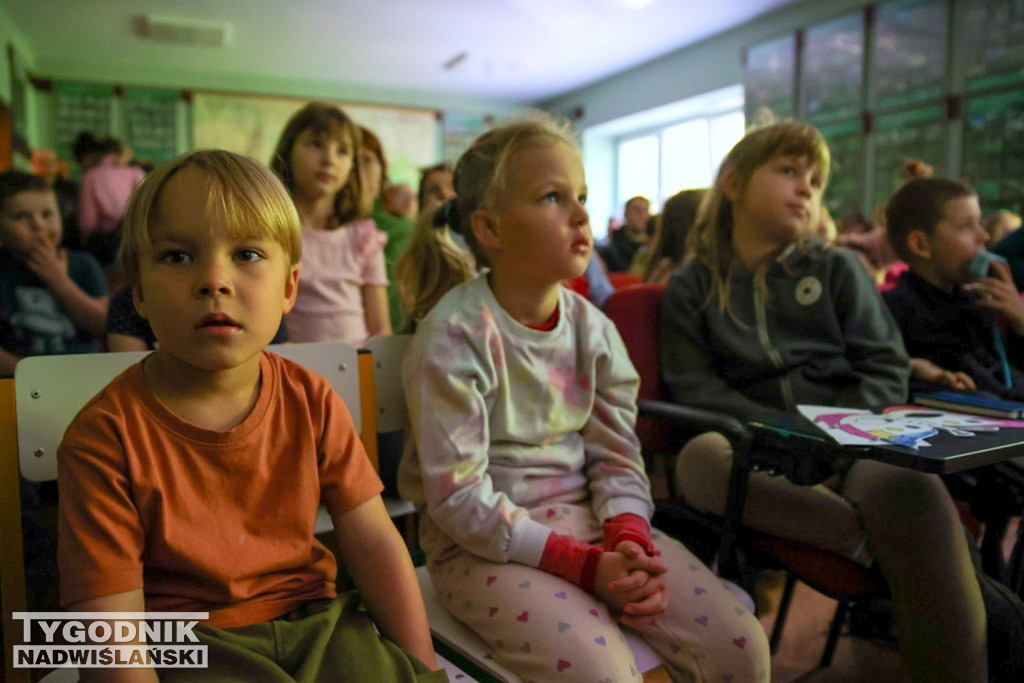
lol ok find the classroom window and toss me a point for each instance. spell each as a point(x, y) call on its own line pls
point(638, 168)
point(679, 156)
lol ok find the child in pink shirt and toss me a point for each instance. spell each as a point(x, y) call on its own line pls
point(343, 290)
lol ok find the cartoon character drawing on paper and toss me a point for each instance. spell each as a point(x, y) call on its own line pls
point(910, 425)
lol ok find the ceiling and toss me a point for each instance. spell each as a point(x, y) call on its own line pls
point(514, 50)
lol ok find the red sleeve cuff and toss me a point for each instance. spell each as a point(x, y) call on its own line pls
point(573, 560)
point(589, 572)
point(628, 527)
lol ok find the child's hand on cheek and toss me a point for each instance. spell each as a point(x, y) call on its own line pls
point(998, 293)
point(48, 262)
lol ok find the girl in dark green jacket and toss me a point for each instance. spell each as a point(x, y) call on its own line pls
point(760, 319)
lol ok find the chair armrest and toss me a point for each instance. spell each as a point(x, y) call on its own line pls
point(803, 460)
point(729, 564)
point(696, 418)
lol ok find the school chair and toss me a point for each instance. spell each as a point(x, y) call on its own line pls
point(451, 637)
point(385, 421)
point(741, 552)
point(12, 567)
point(622, 280)
point(48, 391)
point(580, 285)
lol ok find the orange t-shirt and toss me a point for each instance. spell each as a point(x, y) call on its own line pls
point(207, 521)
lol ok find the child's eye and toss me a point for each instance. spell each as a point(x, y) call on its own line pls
point(249, 255)
point(173, 257)
point(552, 197)
point(816, 183)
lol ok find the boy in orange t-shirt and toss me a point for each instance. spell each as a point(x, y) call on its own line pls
point(192, 482)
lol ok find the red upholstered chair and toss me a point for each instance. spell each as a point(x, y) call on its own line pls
point(578, 285)
point(742, 552)
point(620, 280)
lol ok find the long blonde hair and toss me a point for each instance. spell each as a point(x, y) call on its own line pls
point(433, 263)
point(710, 241)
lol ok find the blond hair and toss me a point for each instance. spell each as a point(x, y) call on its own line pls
point(710, 241)
point(433, 264)
point(241, 194)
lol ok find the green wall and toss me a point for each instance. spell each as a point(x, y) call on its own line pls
point(702, 67)
point(659, 86)
point(11, 37)
point(175, 78)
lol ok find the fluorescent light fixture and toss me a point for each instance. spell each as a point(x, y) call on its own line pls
point(637, 4)
point(185, 31)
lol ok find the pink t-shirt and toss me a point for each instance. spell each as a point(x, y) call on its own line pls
point(335, 266)
point(103, 197)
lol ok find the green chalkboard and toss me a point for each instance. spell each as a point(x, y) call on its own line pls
point(994, 43)
point(151, 123)
point(80, 107)
point(910, 51)
point(846, 144)
point(917, 133)
point(831, 77)
point(993, 158)
point(770, 81)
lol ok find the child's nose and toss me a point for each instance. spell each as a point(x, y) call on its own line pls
point(213, 279)
point(580, 214)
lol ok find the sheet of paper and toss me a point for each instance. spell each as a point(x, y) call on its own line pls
point(910, 426)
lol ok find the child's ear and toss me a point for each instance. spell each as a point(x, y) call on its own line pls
point(485, 229)
point(731, 186)
point(140, 305)
point(919, 245)
point(291, 288)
